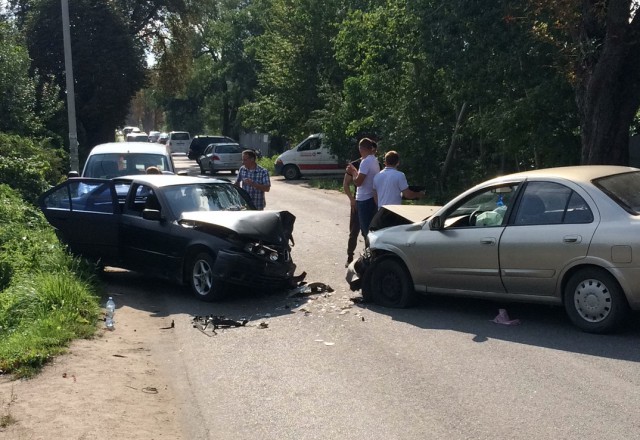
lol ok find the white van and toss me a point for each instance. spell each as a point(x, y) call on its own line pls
point(309, 157)
point(179, 141)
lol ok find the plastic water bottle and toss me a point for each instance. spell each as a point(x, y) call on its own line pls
point(111, 310)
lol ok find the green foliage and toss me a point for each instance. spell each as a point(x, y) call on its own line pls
point(268, 163)
point(29, 166)
point(108, 64)
point(26, 102)
point(46, 297)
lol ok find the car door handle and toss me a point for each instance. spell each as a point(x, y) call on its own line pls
point(488, 240)
point(572, 239)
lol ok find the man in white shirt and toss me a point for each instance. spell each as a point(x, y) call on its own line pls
point(363, 180)
point(390, 184)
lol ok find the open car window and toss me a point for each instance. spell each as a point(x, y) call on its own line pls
point(83, 195)
point(485, 208)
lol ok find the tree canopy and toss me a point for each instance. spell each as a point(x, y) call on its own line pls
point(462, 89)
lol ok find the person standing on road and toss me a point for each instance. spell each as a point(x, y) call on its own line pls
point(253, 179)
point(363, 180)
point(390, 185)
point(354, 224)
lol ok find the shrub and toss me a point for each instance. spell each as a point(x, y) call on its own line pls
point(29, 166)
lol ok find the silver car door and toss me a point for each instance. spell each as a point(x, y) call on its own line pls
point(552, 227)
point(463, 256)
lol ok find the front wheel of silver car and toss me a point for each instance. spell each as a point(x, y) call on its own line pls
point(594, 301)
point(203, 284)
point(390, 284)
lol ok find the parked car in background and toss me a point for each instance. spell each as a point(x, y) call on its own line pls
point(154, 136)
point(565, 236)
point(202, 141)
point(163, 138)
point(124, 158)
point(137, 137)
point(221, 157)
point(179, 141)
point(199, 232)
point(310, 157)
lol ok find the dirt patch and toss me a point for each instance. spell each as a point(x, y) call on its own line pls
point(104, 388)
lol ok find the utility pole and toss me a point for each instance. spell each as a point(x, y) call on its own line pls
point(71, 94)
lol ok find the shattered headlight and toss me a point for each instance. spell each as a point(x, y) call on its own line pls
point(261, 250)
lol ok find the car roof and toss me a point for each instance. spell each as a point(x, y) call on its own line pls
point(578, 173)
point(160, 180)
point(129, 147)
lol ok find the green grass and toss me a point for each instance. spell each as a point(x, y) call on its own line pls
point(47, 298)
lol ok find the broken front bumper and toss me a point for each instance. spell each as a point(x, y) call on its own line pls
point(356, 271)
point(247, 270)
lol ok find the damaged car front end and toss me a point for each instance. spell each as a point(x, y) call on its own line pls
point(201, 232)
point(402, 217)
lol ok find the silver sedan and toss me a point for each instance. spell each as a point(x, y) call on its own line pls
point(567, 236)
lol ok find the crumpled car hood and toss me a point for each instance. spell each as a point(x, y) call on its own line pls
point(268, 226)
point(394, 215)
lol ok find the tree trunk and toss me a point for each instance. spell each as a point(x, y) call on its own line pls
point(452, 146)
point(608, 94)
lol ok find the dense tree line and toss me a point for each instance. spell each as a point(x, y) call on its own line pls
point(463, 89)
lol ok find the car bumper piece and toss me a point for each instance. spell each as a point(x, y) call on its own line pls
point(246, 270)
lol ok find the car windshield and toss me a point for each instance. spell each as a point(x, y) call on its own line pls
point(109, 165)
point(624, 189)
point(204, 197)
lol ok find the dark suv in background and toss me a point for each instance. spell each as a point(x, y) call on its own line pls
point(200, 142)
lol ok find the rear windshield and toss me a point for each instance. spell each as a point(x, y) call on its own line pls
point(624, 189)
point(110, 165)
point(182, 136)
point(223, 149)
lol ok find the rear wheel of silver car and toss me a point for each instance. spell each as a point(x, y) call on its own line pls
point(594, 301)
point(390, 284)
point(201, 279)
point(291, 172)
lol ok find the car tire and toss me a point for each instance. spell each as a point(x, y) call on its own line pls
point(594, 301)
point(212, 170)
point(389, 284)
point(291, 172)
point(203, 285)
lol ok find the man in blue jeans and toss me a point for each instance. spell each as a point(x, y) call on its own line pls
point(363, 180)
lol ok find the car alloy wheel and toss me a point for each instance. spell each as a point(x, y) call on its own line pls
point(594, 301)
point(202, 281)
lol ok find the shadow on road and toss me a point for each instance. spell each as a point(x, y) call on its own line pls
point(540, 325)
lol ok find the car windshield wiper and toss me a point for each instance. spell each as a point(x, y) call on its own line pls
point(236, 208)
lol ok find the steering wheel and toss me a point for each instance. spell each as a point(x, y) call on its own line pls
point(474, 216)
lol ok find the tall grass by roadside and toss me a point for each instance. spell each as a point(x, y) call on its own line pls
point(46, 296)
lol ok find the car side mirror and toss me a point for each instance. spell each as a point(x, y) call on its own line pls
point(151, 214)
point(435, 224)
point(71, 174)
point(183, 173)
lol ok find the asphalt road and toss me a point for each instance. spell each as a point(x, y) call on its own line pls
point(328, 368)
